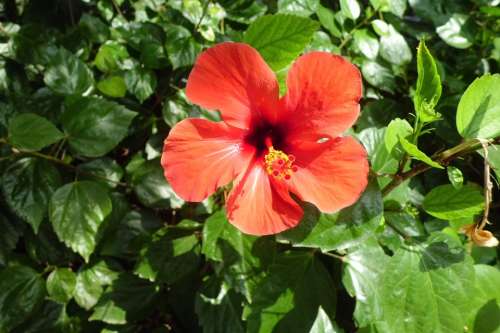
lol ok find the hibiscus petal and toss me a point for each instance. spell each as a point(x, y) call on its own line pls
point(259, 205)
point(234, 79)
point(331, 176)
point(323, 96)
point(200, 155)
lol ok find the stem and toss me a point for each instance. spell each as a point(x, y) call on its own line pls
point(487, 187)
point(117, 8)
point(333, 255)
point(445, 157)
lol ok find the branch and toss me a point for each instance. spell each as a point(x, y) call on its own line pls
point(443, 158)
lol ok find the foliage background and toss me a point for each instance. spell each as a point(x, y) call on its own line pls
point(93, 239)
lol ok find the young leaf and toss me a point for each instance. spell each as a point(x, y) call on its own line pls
point(416, 153)
point(29, 131)
point(76, 211)
point(95, 126)
point(429, 87)
point(280, 38)
point(27, 186)
point(110, 56)
point(397, 128)
point(478, 113)
point(113, 86)
point(90, 281)
point(449, 203)
point(61, 284)
point(455, 176)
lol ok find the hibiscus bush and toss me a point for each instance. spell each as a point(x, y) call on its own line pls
point(249, 166)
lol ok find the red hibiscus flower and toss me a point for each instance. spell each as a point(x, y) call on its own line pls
point(270, 146)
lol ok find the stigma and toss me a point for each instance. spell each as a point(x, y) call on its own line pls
point(278, 164)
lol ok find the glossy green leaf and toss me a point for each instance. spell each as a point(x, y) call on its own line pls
point(323, 323)
point(397, 128)
point(429, 87)
point(280, 38)
point(290, 296)
point(103, 170)
point(126, 298)
point(68, 75)
point(77, 211)
point(29, 131)
point(90, 281)
point(455, 176)
point(427, 289)
point(394, 48)
point(95, 126)
point(378, 76)
point(22, 291)
point(328, 19)
point(453, 32)
point(373, 139)
point(366, 43)
point(478, 113)
point(140, 82)
point(219, 309)
point(182, 48)
point(61, 284)
point(27, 186)
point(362, 277)
point(448, 203)
point(168, 256)
point(351, 226)
point(350, 9)
point(417, 154)
point(298, 7)
point(8, 238)
point(112, 86)
point(110, 57)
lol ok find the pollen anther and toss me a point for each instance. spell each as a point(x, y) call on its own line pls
point(279, 164)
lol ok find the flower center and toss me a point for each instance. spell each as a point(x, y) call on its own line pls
point(279, 164)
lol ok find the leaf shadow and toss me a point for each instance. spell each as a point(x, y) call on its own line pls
point(440, 255)
point(488, 318)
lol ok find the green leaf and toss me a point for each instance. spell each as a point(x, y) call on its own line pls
point(454, 31)
point(397, 128)
point(151, 187)
point(455, 176)
point(127, 298)
point(323, 323)
point(110, 57)
point(27, 186)
point(94, 28)
point(362, 277)
point(140, 82)
point(29, 131)
point(478, 113)
point(350, 9)
point(113, 86)
point(427, 289)
point(21, 293)
point(77, 211)
point(51, 317)
point(182, 48)
point(104, 170)
point(298, 7)
point(378, 76)
point(393, 47)
point(350, 227)
point(290, 296)
point(68, 75)
point(219, 309)
point(328, 19)
point(366, 43)
point(416, 153)
point(373, 141)
point(449, 203)
point(242, 257)
point(95, 126)
point(280, 38)
point(90, 281)
point(8, 238)
point(429, 87)
point(61, 284)
point(494, 159)
point(169, 256)
point(381, 28)
point(488, 316)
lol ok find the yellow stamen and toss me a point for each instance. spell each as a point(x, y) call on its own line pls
point(279, 164)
